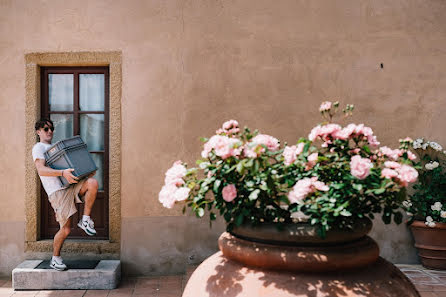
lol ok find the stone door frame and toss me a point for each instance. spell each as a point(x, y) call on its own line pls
point(113, 59)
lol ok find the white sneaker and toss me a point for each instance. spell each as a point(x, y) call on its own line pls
point(58, 265)
point(87, 226)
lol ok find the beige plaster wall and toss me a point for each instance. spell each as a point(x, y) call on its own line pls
point(187, 66)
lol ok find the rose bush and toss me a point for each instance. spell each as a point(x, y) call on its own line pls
point(333, 177)
point(428, 201)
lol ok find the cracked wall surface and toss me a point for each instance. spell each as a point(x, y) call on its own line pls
point(188, 66)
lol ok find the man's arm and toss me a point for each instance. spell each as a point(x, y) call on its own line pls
point(43, 170)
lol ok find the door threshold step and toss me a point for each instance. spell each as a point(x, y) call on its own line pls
point(81, 275)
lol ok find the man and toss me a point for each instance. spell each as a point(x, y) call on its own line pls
point(62, 198)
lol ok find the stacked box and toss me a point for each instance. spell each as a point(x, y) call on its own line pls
point(70, 153)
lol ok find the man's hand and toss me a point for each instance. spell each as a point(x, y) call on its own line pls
point(67, 173)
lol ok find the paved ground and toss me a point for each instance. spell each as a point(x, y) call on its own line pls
point(430, 283)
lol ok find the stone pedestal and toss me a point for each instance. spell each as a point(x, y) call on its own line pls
point(106, 275)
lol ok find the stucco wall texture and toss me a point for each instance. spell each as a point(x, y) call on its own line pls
point(187, 66)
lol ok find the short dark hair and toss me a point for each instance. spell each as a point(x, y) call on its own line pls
point(42, 122)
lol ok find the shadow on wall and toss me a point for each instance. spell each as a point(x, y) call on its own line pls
point(167, 245)
point(395, 242)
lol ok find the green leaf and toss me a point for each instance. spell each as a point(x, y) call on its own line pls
point(184, 209)
point(239, 220)
point(249, 163)
point(240, 167)
point(212, 216)
point(345, 213)
point(379, 191)
point(398, 217)
point(217, 184)
point(204, 139)
point(256, 165)
point(357, 187)
point(200, 212)
point(254, 194)
point(337, 186)
point(366, 149)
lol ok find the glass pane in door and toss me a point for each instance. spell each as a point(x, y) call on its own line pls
point(63, 126)
point(92, 131)
point(60, 92)
point(91, 92)
point(99, 161)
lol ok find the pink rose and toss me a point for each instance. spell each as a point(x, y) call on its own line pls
point(315, 133)
point(373, 141)
point(304, 187)
point(181, 193)
point(167, 195)
point(220, 131)
point(389, 173)
point(300, 190)
point(227, 147)
point(324, 132)
point(411, 155)
point(223, 146)
point(345, 133)
point(175, 174)
point(312, 160)
point(229, 193)
point(355, 151)
point(290, 153)
point(325, 106)
point(319, 185)
point(270, 142)
point(392, 154)
point(407, 174)
point(360, 167)
point(254, 146)
point(392, 164)
point(249, 152)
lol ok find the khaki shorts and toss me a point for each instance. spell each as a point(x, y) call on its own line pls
point(63, 202)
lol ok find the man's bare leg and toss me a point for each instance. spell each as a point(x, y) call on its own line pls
point(90, 190)
point(60, 237)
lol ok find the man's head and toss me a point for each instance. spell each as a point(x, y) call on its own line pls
point(45, 128)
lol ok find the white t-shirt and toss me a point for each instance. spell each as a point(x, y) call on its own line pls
point(50, 183)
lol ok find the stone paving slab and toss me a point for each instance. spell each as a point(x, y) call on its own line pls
point(430, 283)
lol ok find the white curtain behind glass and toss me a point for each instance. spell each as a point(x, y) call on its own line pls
point(91, 92)
point(60, 91)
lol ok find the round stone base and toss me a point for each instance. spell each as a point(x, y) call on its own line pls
point(218, 276)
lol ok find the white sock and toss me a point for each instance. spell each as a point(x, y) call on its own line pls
point(57, 258)
point(85, 218)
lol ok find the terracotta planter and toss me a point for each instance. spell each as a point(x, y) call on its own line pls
point(299, 248)
point(301, 234)
point(431, 244)
point(295, 262)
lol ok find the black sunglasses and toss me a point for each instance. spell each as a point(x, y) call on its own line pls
point(48, 128)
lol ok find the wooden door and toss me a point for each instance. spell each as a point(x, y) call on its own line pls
point(76, 99)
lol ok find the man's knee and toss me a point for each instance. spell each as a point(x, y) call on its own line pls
point(92, 184)
point(66, 231)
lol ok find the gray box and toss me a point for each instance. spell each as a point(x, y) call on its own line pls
point(70, 153)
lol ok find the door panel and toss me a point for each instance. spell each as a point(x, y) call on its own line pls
point(76, 99)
